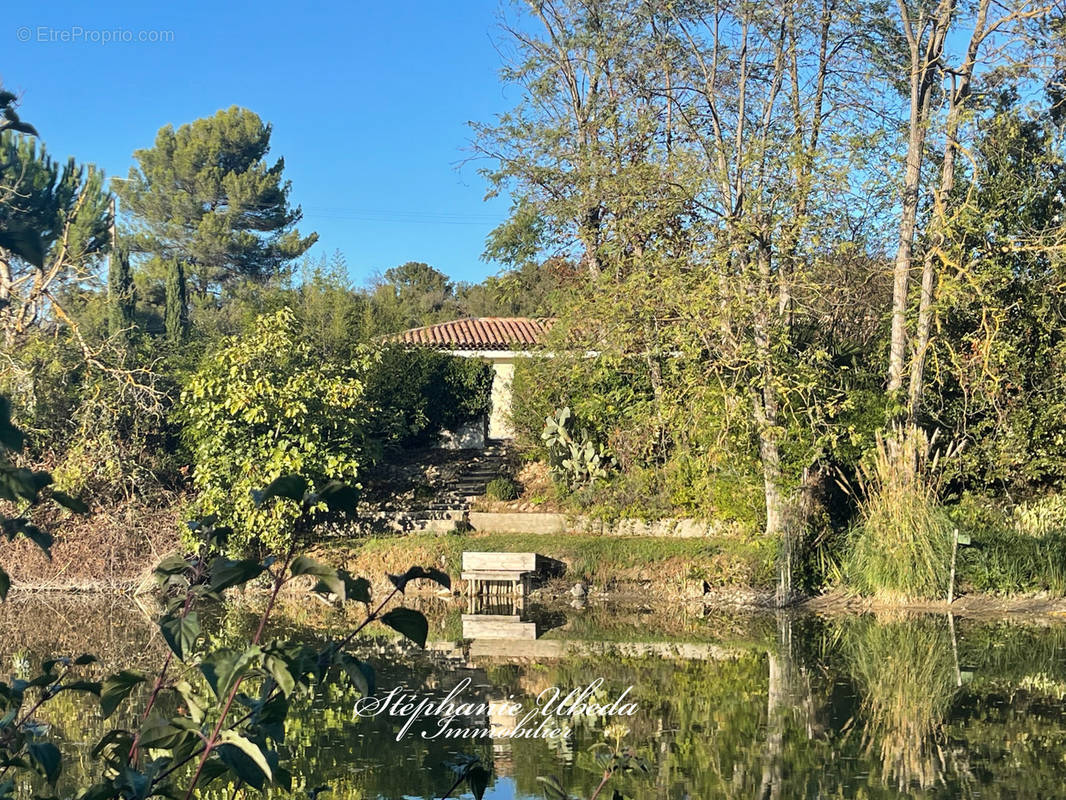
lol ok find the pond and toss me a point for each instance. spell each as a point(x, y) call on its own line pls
point(720, 704)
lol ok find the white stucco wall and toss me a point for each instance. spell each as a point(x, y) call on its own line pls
point(500, 413)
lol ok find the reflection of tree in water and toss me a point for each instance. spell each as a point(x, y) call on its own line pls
point(849, 707)
point(791, 707)
point(906, 672)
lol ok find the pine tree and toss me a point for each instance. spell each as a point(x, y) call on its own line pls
point(205, 194)
point(54, 225)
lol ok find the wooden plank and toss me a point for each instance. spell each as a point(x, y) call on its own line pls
point(508, 576)
point(492, 629)
point(525, 648)
point(517, 562)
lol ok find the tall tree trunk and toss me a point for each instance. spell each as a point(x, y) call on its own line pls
point(5, 299)
point(766, 421)
point(924, 62)
point(780, 701)
point(938, 226)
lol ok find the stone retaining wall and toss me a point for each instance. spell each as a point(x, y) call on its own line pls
point(561, 523)
point(536, 522)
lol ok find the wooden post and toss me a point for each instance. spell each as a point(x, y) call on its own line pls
point(954, 553)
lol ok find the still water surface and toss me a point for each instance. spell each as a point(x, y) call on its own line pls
point(727, 705)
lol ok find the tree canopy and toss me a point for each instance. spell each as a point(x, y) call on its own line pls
point(205, 194)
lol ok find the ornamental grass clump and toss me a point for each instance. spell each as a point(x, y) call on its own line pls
point(900, 549)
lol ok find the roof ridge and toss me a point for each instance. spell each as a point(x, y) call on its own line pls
point(479, 332)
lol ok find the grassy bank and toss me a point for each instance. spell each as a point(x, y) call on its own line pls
point(604, 562)
point(111, 549)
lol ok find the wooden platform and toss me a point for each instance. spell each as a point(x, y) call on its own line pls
point(497, 626)
point(494, 574)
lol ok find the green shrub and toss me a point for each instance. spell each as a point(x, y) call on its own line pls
point(1041, 517)
point(420, 392)
point(502, 489)
point(1005, 562)
point(901, 547)
point(265, 405)
point(611, 395)
point(101, 429)
point(1011, 552)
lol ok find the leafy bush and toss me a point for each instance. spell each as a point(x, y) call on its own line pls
point(263, 406)
point(610, 394)
point(1021, 551)
point(901, 546)
point(694, 450)
point(1004, 562)
point(1041, 517)
point(100, 426)
point(421, 392)
point(502, 489)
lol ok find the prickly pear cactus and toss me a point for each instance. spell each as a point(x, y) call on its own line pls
point(573, 456)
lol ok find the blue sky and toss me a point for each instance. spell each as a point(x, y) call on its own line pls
point(369, 102)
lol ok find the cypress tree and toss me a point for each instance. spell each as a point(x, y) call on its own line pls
point(176, 311)
point(120, 301)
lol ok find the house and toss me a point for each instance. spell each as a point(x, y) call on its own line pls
point(497, 340)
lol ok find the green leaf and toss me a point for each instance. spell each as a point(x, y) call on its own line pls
point(224, 668)
point(213, 768)
point(359, 673)
point(181, 632)
point(356, 589)
point(270, 718)
point(105, 790)
point(133, 783)
point(410, 623)
point(280, 672)
point(90, 687)
point(173, 564)
point(160, 733)
point(240, 766)
point(329, 581)
point(70, 503)
point(194, 704)
point(292, 487)
point(226, 573)
point(416, 573)
point(117, 688)
point(46, 759)
point(115, 744)
point(42, 539)
point(477, 778)
point(11, 438)
point(27, 244)
point(339, 497)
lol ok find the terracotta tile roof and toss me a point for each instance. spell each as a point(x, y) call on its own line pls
point(480, 333)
